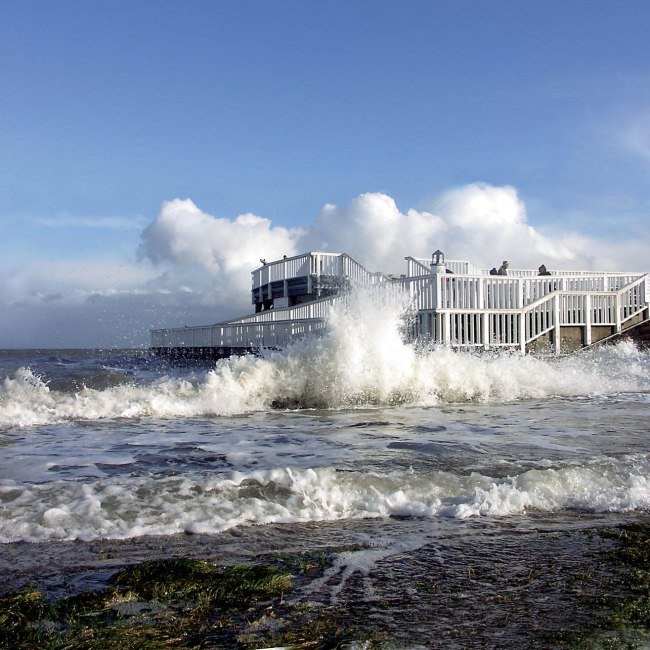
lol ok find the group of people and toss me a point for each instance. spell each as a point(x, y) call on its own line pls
point(503, 269)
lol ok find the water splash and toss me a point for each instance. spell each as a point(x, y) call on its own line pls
point(360, 360)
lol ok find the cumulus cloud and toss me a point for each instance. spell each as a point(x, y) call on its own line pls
point(185, 235)
point(487, 222)
point(204, 261)
point(373, 229)
point(481, 223)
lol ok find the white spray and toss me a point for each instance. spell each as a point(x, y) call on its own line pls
point(360, 360)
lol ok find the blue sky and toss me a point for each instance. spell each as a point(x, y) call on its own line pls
point(280, 108)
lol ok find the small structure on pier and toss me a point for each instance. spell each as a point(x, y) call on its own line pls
point(455, 304)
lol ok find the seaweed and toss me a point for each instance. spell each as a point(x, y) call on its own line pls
point(190, 603)
point(622, 617)
point(156, 604)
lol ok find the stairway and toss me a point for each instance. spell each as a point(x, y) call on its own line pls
point(640, 334)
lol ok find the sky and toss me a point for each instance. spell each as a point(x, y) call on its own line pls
point(152, 152)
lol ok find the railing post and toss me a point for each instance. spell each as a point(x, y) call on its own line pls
point(617, 315)
point(522, 332)
point(437, 291)
point(556, 322)
point(587, 310)
point(485, 330)
point(446, 328)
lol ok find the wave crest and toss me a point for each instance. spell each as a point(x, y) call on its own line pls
point(141, 505)
point(360, 360)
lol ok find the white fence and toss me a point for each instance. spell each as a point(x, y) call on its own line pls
point(314, 264)
point(458, 309)
point(243, 335)
point(451, 317)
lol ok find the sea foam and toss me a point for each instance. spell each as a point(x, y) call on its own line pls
point(207, 503)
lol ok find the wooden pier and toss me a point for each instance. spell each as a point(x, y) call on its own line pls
point(454, 303)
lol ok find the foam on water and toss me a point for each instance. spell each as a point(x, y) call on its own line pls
point(207, 503)
point(361, 360)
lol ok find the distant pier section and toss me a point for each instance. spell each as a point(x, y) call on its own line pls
point(453, 302)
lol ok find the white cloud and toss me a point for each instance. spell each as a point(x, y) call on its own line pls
point(487, 224)
point(480, 223)
point(194, 268)
point(73, 281)
point(372, 229)
point(183, 236)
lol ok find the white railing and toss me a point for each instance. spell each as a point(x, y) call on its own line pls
point(291, 267)
point(244, 335)
point(500, 311)
point(453, 309)
point(358, 274)
point(416, 267)
point(314, 309)
point(455, 266)
point(314, 264)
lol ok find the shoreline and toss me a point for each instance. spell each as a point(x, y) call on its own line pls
point(475, 583)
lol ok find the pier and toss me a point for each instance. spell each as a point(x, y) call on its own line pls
point(453, 303)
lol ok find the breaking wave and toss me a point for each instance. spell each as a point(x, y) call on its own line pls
point(141, 505)
point(361, 360)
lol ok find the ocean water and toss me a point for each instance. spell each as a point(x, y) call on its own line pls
point(355, 436)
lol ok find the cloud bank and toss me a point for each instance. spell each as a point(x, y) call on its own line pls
point(191, 267)
point(480, 223)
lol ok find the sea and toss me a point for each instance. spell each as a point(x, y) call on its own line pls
point(418, 463)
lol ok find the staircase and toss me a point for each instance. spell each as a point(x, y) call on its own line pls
point(640, 334)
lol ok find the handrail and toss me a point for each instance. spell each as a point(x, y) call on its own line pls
point(417, 263)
